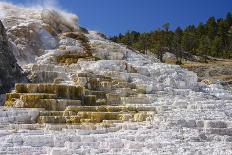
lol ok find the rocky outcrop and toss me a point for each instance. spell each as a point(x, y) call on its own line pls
point(10, 72)
point(33, 32)
point(34, 40)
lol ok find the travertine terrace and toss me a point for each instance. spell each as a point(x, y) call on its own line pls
point(88, 95)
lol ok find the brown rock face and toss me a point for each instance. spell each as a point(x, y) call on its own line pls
point(10, 72)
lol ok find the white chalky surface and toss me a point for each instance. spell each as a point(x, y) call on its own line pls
point(192, 118)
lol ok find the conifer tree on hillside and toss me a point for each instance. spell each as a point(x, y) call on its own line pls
point(204, 47)
point(176, 45)
point(213, 38)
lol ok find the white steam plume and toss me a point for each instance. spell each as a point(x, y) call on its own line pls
point(33, 9)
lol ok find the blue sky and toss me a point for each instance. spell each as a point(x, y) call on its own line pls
point(115, 16)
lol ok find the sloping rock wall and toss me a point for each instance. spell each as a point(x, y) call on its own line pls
point(10, 72)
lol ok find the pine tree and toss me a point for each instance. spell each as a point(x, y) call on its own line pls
point(216, 33)
point(229, 18)
point(176, 45)
point(144, 42)
point(189, 42)
point(204, 47)
point(222, 33)
point(211, 28)
point(229, 50)
point(200, 29)
point(166, 26)
point(216, 46)
point(160, 44)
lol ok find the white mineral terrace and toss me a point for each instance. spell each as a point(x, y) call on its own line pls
point(190, 117)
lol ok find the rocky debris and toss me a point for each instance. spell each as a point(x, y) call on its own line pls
point(10, 71)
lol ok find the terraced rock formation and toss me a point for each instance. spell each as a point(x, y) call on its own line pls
point(74, 105)
point(88, 95)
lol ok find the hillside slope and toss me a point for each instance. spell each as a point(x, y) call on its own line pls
point(214, 69)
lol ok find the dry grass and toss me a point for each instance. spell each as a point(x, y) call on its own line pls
point(202, 69)
point(227, 78)
point(189, 64)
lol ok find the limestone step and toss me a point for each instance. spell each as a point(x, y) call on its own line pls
point(101, 102)
point(98, 94)
point(90, 75)
point(217, 124)
point(204, 106)
point(89, 100)
point(93, 84)
point(46, 67)
point(110, 108)
point(49, 76)
point(51, 113)
point(105, 86)
point(123, 84)
point(113, 99)
point(112, 121)
point(10, 96)
point(130, 107)
point(26, 126)
point(74, 58)
point(67, 102)
point(36, 96)
point(135, 100)
point(58, 117)
point(220, 131)
point(49, 104)
point(101, 85)
point(29, 98)
point(84, 117)
point(201, 123)
point(96, 108)
point(97, 117)
point(125, 92)
point(62, 91)
point(139, 91)
point(82, 120)
point(51, 119)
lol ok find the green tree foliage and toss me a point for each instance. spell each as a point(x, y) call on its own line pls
point(166, 26)
point(204, 47)
point(229, 50)
point(217, 46)
point(213, 38)
point(176, 45)
point(211, 28)
point(229, 18)
point(189, 42)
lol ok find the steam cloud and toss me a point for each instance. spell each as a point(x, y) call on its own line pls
point(25, 10)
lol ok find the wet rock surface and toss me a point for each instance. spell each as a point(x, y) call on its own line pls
point(10, 71)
